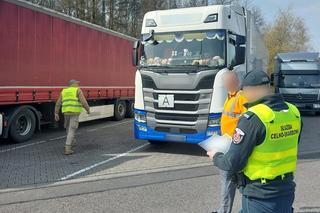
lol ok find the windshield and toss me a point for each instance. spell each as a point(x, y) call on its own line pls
point(300, 81)
point(185, 48)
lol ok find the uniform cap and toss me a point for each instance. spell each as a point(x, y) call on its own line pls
point(73, 81)
point(255, 78)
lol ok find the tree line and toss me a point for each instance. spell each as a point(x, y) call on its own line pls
point(286, 33)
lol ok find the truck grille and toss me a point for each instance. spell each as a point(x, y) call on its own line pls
point(176, 117)
point(180, 130)
point(300, 98)
point(189, 115)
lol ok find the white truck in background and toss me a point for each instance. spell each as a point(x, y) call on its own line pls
point(181, 58)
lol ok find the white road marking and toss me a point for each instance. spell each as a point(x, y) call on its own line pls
point(32, 144)
point(23, 146)
point(102, 162)
point(57, 138)
point(103, 127)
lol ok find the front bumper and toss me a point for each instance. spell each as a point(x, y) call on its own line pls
point(143, 132)
point(310, 107)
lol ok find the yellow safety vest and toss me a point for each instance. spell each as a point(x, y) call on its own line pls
point(70, 100)
point(277, 155)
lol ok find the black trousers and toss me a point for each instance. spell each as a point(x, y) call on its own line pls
point(272, 205)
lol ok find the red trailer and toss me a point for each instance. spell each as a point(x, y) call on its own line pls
point(41, 50)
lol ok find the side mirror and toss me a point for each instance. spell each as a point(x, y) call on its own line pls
point(135, 53)
point(272, 79)
point(240, 55)
point(240, 40)
point(149, 36)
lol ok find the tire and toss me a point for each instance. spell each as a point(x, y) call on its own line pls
point(120, 110)
point(23, 126)
point(130, 109)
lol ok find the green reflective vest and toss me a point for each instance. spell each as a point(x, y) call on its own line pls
point(277, 155)
point(70, 100)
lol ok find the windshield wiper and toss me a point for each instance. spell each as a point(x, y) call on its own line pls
point(154, 66)
point(172, 68)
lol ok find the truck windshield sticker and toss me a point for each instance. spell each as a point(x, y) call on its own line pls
point(185, 48)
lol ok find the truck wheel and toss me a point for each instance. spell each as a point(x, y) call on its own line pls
point(130, 109)
point(22, 126)
point(120, 110)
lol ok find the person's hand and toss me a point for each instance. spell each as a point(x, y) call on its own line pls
point(56, 117)
point(88, 111)
point(211, 154)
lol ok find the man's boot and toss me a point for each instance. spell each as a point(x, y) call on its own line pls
point(68, 150)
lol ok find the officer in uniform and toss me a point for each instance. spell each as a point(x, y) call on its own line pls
point(263, 155)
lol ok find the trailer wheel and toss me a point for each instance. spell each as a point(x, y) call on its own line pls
point(130, 109)
point(120, 110)
point(23, 126)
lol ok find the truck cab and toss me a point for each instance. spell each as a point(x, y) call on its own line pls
point(297, 78)
point(181, 58)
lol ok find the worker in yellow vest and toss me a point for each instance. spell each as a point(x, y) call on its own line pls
point(71, 101)
point(232, 110)
point(263, 155)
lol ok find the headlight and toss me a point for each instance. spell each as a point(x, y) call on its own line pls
point(142, 128)
point(317, 106)
point(140, 117)
point(214, 121)
point(212, 132)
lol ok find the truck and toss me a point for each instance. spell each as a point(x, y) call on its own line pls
point(297, 77)
point(181, 58)
point(41, 50)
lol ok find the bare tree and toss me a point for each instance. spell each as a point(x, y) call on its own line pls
point(258, 17)
point(287, 33)
point(126, 16)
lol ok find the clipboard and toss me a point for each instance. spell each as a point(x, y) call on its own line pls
point(217, 142)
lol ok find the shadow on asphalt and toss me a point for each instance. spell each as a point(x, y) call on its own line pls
point(50, 129)
point(177, 148)
point(309, 156)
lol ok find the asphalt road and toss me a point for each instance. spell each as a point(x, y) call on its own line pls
point(112, 172)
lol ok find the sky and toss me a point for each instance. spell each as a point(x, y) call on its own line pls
point(309, 10)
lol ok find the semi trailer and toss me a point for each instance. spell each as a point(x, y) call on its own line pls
point(41, 50)
point(181, 59)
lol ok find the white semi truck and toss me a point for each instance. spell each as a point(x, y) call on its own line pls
point(181, 59)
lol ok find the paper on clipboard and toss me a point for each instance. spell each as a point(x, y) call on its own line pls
point(218, 143)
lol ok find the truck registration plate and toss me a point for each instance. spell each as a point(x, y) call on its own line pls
point(165, 101)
